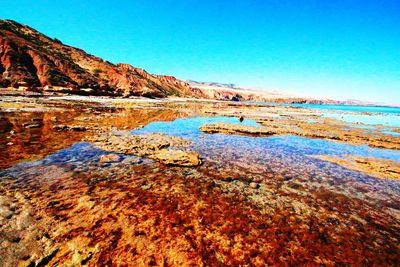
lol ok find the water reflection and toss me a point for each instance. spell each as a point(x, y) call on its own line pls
point(31, 135)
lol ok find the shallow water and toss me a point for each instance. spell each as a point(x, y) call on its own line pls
point(391, 133)
point(386, 120)
point(373, 109)
point(350, 108)
point(189, 128)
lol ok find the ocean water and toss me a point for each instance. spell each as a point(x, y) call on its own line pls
point(351, 108)
point(370, 115)
point(374, 119)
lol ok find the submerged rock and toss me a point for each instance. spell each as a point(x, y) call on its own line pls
point(154, 146)
point(178, 157)
point(239, 129)
point(380, 168)
point(110, 158)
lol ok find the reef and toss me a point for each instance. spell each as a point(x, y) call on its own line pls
point(380, 168)
point(155, 146)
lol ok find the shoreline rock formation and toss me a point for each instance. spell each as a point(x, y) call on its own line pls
point(154, 146)
point(236, 129)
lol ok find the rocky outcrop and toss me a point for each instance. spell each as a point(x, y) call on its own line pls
point(178, 157)
point(154, 146)
point(31, 60)
point(380, 168)
point(236, 129)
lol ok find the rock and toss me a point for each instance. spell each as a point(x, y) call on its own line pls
point(155, 146)
point(76, 128)
point(254, 185)
point(139, 145)
point(238, 129)
point(28, 126)
point(178, 157)
point(24, 220)
point(109, 158)
point(6, 212)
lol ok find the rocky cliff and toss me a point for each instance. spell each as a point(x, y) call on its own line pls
point(29, 59)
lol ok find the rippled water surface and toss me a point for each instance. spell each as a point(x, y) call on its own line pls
point(189, 128)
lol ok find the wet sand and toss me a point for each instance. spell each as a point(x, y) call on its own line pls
point(255, 200)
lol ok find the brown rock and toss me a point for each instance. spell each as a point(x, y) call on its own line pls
point(153, 146)
point(110, 158)
point(254, 185)
point(178, 157)
point(238, 129)
point(76, 128)
point(32, 126)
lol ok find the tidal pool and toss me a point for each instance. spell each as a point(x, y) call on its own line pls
point(189, 128)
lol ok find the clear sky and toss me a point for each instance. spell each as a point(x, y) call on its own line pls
point(337, 49)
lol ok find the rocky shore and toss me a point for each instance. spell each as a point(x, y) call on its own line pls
point(78, 188)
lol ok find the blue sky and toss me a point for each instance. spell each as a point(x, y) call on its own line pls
point(337, 49)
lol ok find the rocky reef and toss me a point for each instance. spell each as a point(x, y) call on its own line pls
point(154, 146)
point(380, 168)
point(240, 129)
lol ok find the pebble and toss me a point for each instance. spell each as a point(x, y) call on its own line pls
point(110, 158)
point(254, 185)
point(32, 126)
point(6, 213)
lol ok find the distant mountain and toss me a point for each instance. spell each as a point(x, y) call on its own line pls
point(222, 91)
point(213, 84)
point(29, 59)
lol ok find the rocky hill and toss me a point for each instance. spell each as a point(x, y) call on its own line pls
point(31, 60)
point(221, 91)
